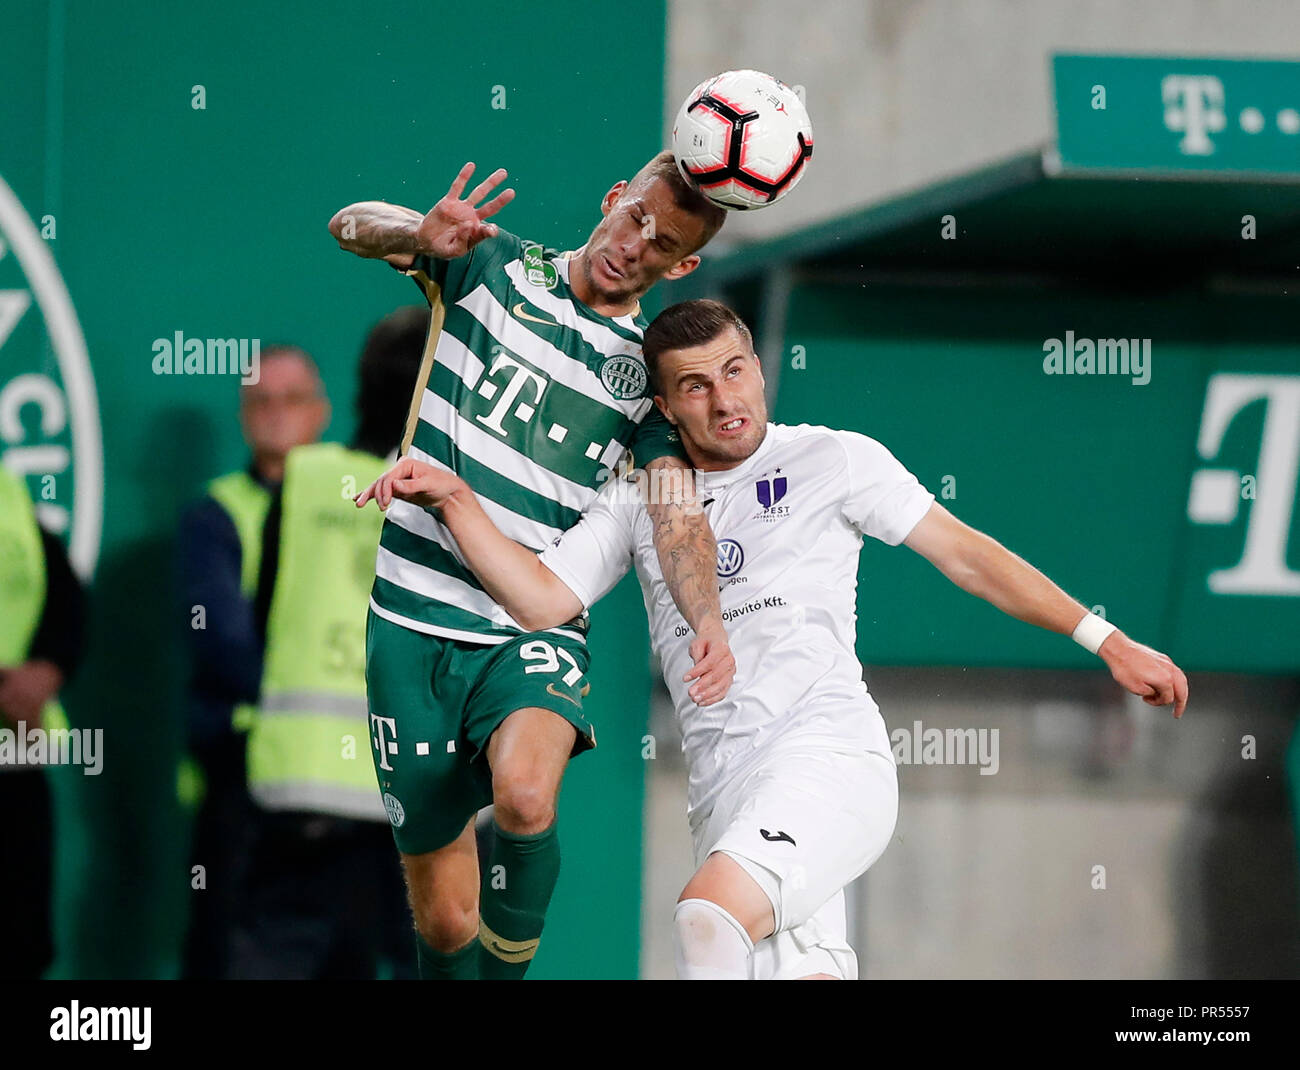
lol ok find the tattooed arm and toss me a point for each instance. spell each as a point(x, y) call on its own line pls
point(380, 231)
point(688, 557)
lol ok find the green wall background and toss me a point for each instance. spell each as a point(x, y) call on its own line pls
point(213, 222)
point(1085, 476)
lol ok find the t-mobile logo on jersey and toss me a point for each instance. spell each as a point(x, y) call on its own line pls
point(520, 378)
point(384, 747)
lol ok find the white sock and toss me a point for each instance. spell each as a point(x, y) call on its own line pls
point(708, 943)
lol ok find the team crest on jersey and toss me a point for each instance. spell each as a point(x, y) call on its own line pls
point(770, 491)
point(730, 557)
point(396, 812)
point(624, 376)
point(538, 271)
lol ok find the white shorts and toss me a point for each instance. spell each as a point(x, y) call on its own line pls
point(804, 822)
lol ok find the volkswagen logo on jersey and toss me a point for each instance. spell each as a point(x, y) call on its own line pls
point(730, 557)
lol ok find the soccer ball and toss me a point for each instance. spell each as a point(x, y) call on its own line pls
point(743, 138)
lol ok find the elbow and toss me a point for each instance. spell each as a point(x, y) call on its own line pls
point(538, 618)
point(339, 220)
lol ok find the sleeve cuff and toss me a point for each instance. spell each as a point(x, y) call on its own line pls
point(555, 562)
point(905, 517)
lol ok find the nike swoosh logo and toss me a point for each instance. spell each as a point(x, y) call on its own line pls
point(518, 310)
point(777, 837)
point(550, 690)
point(511, 956)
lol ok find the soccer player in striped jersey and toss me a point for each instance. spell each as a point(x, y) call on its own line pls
point(534, 388)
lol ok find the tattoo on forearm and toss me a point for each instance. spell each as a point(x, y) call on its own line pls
point(688, 557)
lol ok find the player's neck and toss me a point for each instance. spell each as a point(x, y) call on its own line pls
point(723, 464)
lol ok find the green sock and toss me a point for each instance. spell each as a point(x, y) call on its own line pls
point(434, 965)
point(517, 887)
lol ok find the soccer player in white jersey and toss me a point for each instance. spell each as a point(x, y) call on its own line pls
point(793, 790)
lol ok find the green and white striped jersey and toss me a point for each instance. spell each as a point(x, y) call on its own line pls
point(532, 398)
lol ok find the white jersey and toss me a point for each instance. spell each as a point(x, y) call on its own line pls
point(789, 523)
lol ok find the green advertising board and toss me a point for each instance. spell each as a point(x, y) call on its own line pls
point(1178, 114)
point(1161, 490)
point(171, 168)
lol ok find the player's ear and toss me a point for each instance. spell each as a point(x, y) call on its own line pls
point(611, 198)
point(683, 267)
point(663, 407)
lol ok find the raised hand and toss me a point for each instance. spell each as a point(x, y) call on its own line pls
point(454, 226)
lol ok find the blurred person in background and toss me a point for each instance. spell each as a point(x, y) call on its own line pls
point(42, 628)
point(324, 896)
point(221, 547)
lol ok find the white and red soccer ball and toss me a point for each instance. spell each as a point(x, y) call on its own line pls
point(744, 138)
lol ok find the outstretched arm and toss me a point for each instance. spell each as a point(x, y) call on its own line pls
point(984, 567)
point(512, 574)
point(516, 577)
point(378, 230)
point(688, 557)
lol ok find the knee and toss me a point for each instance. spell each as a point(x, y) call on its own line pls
point(447, 926)
point(708, 942)
point(522, 804)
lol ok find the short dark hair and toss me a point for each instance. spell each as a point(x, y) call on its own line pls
point(684, 325)
point(688, 198)
point(387, 372)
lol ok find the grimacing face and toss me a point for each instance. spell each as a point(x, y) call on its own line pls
point(713, 394)
point(643, 238)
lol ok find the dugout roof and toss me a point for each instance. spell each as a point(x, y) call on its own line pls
point(1024, 220)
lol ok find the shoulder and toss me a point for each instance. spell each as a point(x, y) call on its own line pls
point(832, 441)
point(862, 458)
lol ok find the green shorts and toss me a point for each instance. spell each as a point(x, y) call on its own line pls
point(434, 704)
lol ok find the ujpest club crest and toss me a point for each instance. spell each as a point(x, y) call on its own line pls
point(770, 491)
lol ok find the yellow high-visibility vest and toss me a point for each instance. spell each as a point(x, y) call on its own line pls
point(308, 748)
point(22, 581)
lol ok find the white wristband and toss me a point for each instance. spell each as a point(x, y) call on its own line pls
point(1091, 632)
